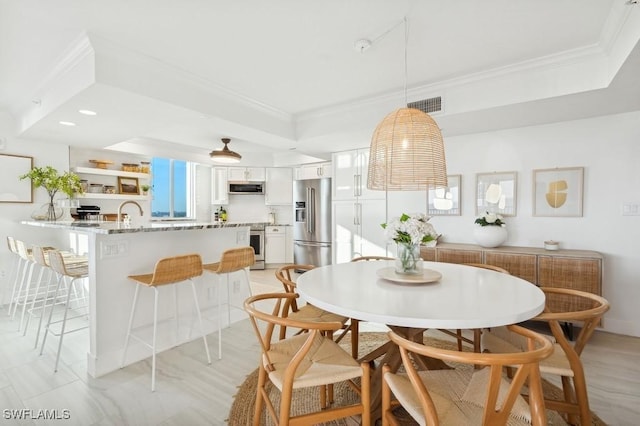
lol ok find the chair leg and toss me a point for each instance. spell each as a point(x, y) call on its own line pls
point(204, 337)
point(126, 340)
point(262, 377)
point(33, 302)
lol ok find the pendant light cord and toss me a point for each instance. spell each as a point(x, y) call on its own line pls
point(406, 60)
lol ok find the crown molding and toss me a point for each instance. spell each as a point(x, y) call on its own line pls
point(78, 51)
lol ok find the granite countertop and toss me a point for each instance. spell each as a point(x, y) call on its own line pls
point(121, 228)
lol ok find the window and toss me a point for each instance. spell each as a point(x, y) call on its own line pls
point(172, 194)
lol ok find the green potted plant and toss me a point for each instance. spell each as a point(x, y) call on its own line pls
point(145, 189)
point(49, 179)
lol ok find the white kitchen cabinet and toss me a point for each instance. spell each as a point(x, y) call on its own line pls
point(279, 186)
point(246, 174)
point(314, 171)
point(350, 176)
point(219, 187)
point(110, 177)
point(357, 229)
point(288, 248)
point(276, 245)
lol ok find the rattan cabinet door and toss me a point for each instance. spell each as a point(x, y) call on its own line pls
point(521, 265)
point(458, 256)
point(570, 272)
point(428, 254)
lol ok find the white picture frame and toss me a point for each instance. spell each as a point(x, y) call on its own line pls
point(496, 193)
point(445, 201)
point(558, 192)
point(12, 188)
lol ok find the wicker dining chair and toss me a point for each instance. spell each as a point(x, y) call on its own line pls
point(565, 362)
point(463, 396)
point(306, 360)
point(477, 333)
point(307, 312)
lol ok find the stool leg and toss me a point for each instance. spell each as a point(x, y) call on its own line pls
point(246, 276)
point(204, 337)
point(44, 307)
point(228, 303)
point(64, 322)
point(46, 328)
point(26, 297)
point(153, 343)
point(219, 319)
point(16, 280)
point(133, 311)
point(28, 266)
point(35, 297)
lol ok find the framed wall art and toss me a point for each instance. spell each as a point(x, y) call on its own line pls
point(558, 192)
point(445, 201)
point(127, 185)
point(496, 193)
point(12, 189)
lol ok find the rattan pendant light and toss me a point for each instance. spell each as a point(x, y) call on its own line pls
point(407, 151)
point(225, 155)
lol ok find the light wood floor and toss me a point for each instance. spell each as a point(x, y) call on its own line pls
point(188, 392)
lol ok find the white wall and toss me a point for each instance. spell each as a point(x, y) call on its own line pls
point(44, 154)
point(608, 149)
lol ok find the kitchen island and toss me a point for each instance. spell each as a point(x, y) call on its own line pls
point(117, 250)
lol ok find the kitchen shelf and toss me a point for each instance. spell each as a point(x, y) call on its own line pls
point(108, 172)
point(100, 196)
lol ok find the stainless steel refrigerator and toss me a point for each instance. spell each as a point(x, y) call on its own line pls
point(312, 221)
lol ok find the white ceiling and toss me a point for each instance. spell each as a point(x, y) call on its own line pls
point(285, 74)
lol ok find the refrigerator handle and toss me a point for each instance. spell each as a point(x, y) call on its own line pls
point(310, 244)
point(359, 214)
point(355, 213)
point(311, 210)
point(355, 185)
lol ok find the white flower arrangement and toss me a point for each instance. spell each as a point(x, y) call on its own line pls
point(412, 229)
point(490, 219)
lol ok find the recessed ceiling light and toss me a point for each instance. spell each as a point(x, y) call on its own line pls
point(87, 112)
point(67, 123)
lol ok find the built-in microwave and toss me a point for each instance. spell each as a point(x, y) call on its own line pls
point(246, 188)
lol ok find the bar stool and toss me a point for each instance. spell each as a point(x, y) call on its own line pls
point(232, 260)
point(72, 272)
point(20, 291)
point(15, 269)
point(43, 298)
point(169, 270)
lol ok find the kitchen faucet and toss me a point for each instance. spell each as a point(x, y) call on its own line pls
point(128, 202)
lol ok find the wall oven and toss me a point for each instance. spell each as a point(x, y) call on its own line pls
point(256, 240)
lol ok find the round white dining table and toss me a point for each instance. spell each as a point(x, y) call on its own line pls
point(465, 297)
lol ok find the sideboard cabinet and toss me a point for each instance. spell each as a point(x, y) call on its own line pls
point(575, 269)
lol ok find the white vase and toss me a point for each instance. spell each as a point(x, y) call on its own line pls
point(490, 235)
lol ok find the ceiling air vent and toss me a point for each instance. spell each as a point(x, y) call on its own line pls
point(427, 105)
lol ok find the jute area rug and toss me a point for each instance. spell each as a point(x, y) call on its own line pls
point(306, 400)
